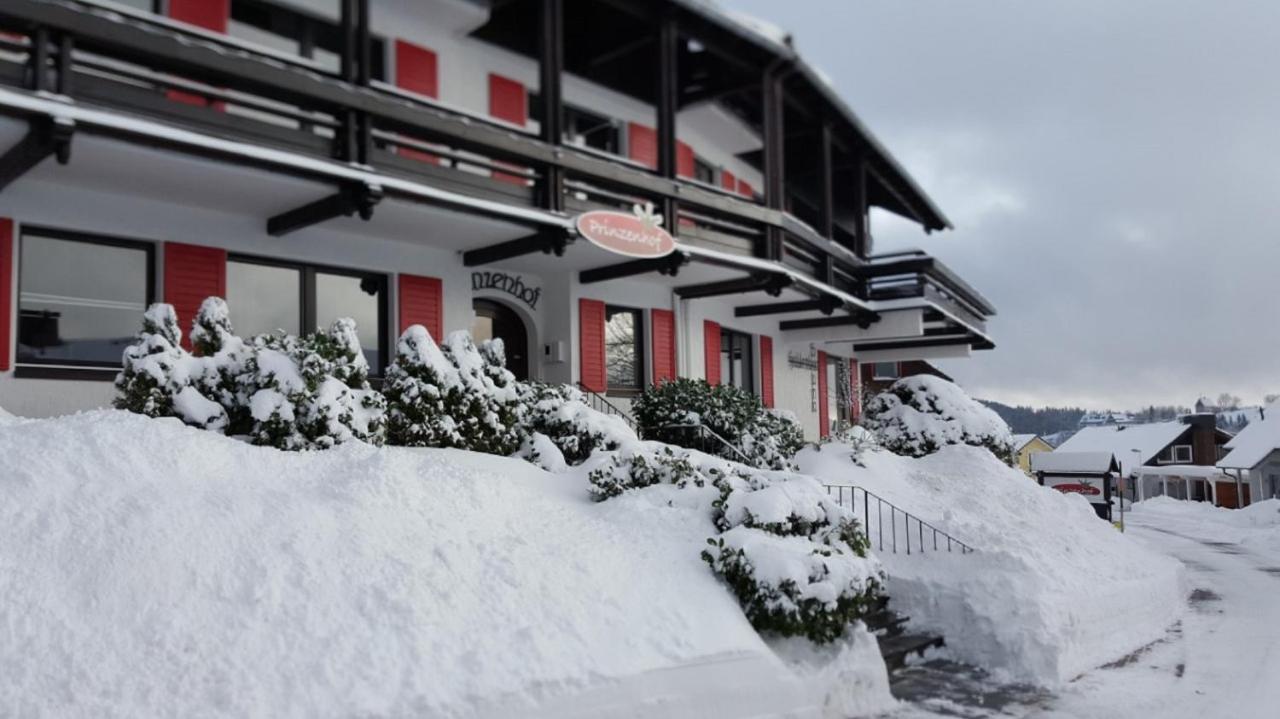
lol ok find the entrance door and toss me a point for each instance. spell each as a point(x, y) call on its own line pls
point(494, 319)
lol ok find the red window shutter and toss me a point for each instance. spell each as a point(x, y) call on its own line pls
point(766, 370)
point(642, 144)
point(824, 417)
point(208, 14)
point(686, 166)
point(745, 189)
point(422, 303)
point(192, 273)
point(711, 350)
point(416, 69)
point(508, 100)
point(664, 345)
point(7, 267)
point(728, 181)
point(591, 322)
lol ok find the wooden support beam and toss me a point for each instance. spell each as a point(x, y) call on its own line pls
point(860, 319)
point(350, 200)
point(551, 112)
point(44, 137)
point(768, 283)
point(546, 242)
point(669, 265)
point(825, 305)
point(977, 343)
point(826, 184)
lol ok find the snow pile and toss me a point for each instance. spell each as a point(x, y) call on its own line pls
point(1257, 525)
point(1051, 592)
point(151, 569)
point(918, 415)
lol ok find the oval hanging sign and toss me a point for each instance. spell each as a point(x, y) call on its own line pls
point(638, 234)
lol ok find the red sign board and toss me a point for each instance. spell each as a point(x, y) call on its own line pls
point(1077, 489)
point(633, 235)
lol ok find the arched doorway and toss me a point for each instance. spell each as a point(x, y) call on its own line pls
point(494, 319)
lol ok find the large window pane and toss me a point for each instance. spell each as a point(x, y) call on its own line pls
point(79, 302)
point(623, 349)
point(358, 298)
point(264, 298)
point(735, 360)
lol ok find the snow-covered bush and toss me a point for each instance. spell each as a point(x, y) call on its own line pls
point(793, 585)
point(857, 438)
point(643, 465)
point(286, 392)
point(451, 396)
point(919, 415)
point(155, 369)
point(561, 413)
point(766, 438)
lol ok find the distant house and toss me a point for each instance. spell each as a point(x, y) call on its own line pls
point(1025, 445)
point(1254, 455)
point(877, 376)
point(1174, 458)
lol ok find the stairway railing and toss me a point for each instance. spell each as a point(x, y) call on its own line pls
point(703, 432)
point(597, 401)
point(901, 522)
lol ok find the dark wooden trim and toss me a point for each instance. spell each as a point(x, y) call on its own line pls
point(547, 242)
point(37, 371)
point(977, 343)
point(669, 265)
point(769, 283)
point(826, 306)
point(350, 200)
point(45, 137)
point(862, 320)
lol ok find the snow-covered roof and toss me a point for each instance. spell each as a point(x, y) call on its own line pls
point(1257, 440)
point(1073, 462)
point(1179, 470)
point(1149, 439)
point(1022, 440)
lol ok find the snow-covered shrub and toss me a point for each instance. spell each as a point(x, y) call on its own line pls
point(154, 369)
point(286, 392)
point(561, 413)
point(794, 585)
point(311, 392)
point(857, 438)
point(919, 415)
point(643, 465)
point(451, 396)
point(766, 438)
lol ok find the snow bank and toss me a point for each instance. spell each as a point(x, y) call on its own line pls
point(152, 569)
point(1052, 590)
point(1257, 525)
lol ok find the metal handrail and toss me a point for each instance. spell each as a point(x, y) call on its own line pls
point(851, 491)
point(597, 402)
point(705, 430)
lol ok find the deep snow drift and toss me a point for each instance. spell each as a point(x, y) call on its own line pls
point(152, 569)
point(1052, 591)
point(1256, 526)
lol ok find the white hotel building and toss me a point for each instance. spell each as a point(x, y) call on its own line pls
point(425, 161)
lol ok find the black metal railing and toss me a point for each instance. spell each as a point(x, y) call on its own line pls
point(897, 534)
point(597, 401)
point(704, 439)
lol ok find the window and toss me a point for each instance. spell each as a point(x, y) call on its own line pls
point(704, 172)
point(80, 298)
point(269, 296)
point(587, 129)
point(624, 349)
point(144, 5)
point(885, 370)
point(298, 33)
point(735, 360)
point(1182, 454)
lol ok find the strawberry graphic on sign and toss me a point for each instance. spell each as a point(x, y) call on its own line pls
point(638, 234)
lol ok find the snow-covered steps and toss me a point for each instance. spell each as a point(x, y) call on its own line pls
point(897, 649)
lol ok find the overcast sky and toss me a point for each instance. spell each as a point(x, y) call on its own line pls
point(1113, 171)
